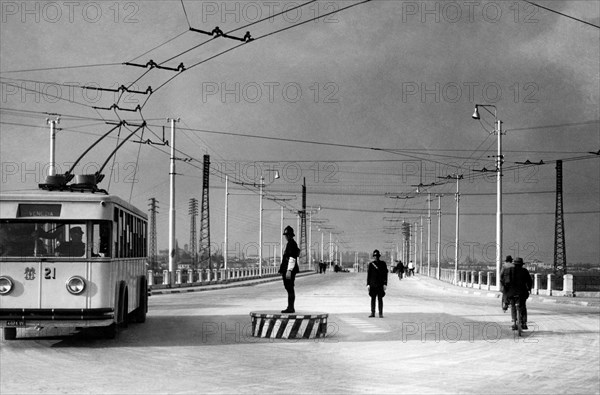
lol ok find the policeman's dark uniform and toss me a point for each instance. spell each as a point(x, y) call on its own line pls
point(291, 251)
point(377, 275)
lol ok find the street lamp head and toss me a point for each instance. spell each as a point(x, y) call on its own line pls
point(476, 112)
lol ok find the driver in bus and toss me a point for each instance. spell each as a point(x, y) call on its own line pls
point(73, 247)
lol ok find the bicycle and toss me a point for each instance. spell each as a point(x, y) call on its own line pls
point(516, 301)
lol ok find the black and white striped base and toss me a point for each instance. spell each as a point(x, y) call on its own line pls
point(274, 325)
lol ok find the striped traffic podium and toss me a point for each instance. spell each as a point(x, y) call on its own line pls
point(299, 325)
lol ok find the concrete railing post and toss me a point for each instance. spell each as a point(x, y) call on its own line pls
point(549, 287)
point(536, 284)
point(166, 277)
point(488, 281)
point(178, 276)
point(190, 278)
point(568, 285)
point(150, 278)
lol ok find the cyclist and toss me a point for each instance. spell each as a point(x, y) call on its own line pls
point(517, 283)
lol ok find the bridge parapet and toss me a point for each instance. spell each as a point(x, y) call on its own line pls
point(567, 285)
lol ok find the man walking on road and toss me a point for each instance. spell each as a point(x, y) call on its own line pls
point(289, 267)
point(377, 275)
point(518, 283)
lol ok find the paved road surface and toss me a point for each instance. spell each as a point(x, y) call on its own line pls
point(430, 341)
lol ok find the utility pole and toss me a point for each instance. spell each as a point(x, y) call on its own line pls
point(439, 236)
point(172, 209)
point(421, 245)
point(261, 188)
point(226, 236)
point(428, 232)
point(456, 177)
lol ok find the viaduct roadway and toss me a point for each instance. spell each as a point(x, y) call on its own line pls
point(431, 340)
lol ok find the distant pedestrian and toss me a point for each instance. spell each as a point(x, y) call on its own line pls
point(518, 283)
point(289, 267)
point(411, 268)
point(399, 269)
point(377, 282)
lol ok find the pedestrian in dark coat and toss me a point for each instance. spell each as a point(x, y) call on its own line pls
point(518, 283)
point(508, 263)
point(289, 268)
point(399, 268)
point(377, 275)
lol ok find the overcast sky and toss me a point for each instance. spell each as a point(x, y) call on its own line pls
point(369, 101)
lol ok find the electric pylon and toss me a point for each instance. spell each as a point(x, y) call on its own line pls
point(193, 212)
point(204, 245)
point(303, 241)
point(152, 236)
point(560, 254)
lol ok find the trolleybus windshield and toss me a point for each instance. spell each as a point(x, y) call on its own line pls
point(27, 238)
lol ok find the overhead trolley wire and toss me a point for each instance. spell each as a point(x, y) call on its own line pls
point(560, 13)
point(260, 37)
point(62, 68)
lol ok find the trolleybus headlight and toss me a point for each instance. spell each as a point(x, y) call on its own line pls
point(75, 285)
point(6, 285)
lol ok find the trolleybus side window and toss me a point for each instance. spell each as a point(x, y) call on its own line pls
point(101, 235)
point(130, 235)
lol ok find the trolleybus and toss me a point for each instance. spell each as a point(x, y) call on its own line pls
point(71, 259)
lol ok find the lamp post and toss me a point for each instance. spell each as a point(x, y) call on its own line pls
point(499, 161)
